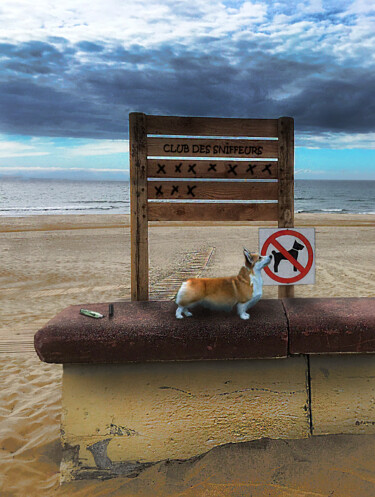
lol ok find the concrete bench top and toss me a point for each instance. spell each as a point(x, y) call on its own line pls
point(333, 325)
point(149, 331)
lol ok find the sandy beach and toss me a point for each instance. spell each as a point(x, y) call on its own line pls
point(51, 262)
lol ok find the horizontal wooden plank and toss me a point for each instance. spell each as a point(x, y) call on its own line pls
point(170, 168)
point(201, 147)
point(211, 126)
point(195, 211)
point(212, 190)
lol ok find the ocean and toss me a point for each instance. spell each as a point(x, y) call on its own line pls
point(25, 197)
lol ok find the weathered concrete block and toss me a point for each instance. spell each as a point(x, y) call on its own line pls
point(343, 394)
point(331, 326)
point(119, 417)
point(149, 331)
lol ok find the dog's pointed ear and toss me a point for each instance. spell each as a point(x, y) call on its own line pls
point(248, 256)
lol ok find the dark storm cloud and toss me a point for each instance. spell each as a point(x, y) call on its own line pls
point(31, 109)
point(47, 89)
point(32, 58)
point(345, 103)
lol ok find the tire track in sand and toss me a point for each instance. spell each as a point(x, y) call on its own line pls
point(193, 265)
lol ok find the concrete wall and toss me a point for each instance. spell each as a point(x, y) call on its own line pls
point(118, 419)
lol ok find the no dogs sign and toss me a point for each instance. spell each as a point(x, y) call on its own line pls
point(293, 255)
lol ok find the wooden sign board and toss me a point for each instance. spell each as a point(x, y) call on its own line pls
point(193, 168)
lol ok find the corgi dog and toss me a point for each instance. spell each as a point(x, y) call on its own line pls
point(243, 290)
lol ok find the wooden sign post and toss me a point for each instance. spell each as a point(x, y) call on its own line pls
point(169, 154)
point(285, 134)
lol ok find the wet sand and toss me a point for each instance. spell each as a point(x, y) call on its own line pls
point(51, 262)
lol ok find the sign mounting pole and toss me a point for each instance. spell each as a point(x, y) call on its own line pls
point(138, 206)
point(285, 126)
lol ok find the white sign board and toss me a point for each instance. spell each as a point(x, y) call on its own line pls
point(293, 255)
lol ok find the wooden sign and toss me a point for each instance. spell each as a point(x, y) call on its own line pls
point(191, 168)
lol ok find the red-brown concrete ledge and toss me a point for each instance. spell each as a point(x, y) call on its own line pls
point(149, 331)
point(332, 325)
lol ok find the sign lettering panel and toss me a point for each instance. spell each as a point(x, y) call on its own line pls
point(194, 147)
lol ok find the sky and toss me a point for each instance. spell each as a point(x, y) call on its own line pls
point(72, 71)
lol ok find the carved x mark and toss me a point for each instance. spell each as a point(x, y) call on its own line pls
point(190, 190)
point(161, 168)
point(178, 167)
point(251, 168)
point(267, 168)
point(191, 168)
point(232, 168)
point(174, 189)
point(212, 167)
point(158, 190)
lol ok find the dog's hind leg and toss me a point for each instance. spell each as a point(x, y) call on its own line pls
point(182, 310)
point(182, 302)
point(179, 312)
point(186, 312)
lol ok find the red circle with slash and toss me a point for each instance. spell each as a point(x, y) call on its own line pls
point(303, 270)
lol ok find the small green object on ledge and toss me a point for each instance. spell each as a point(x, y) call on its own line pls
point(91, 314)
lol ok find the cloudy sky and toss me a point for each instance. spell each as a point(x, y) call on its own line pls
point(72, 70)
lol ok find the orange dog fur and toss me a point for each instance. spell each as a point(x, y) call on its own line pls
point(243, 290)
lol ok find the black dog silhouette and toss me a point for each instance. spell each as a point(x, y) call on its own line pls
point(278, 256)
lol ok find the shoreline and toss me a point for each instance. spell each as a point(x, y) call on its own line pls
point(54, 222)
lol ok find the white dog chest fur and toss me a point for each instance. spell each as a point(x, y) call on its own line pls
point(257, 282)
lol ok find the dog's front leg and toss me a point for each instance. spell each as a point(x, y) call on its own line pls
point(241, 310)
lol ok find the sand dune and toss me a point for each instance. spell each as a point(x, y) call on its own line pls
point(50, 262)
